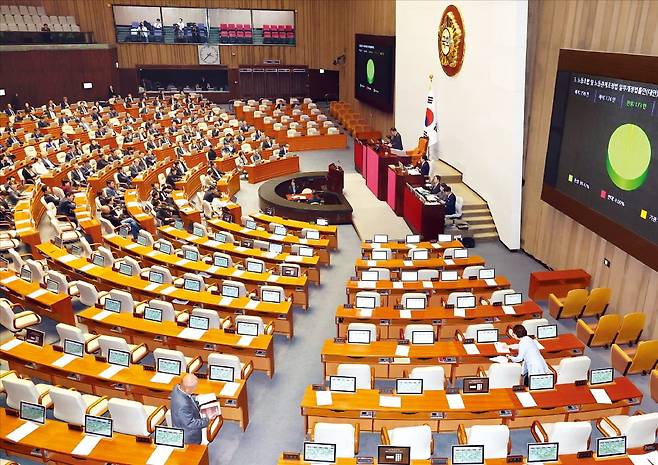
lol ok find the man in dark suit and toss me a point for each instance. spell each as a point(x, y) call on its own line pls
point(396, 139)
point(67, 208)
point(424, 166)
point(451, 200)
point(185, 412)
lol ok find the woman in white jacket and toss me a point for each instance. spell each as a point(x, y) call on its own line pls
point(532, 361)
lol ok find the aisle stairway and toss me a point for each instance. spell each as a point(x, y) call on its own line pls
point(475, 211)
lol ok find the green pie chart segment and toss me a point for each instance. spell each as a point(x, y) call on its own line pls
point(629, 156)
point(370, 71)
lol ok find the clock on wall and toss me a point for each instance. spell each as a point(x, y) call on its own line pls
point(208, 54)
point(451, 40)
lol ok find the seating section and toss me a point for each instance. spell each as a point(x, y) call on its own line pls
point(281, 34)
point(22, 18)
point(235, 34)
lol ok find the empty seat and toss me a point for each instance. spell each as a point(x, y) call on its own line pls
point(433, 377)
point(502, 375)
point(240, 370)
point(262, 328)
point(532, 325)
point(571, 436)
point(597, 302)
point(363, 373)
point(494, 438)
point(71, 406)
point(601, 333)
point(24, 390)
point(187, 364)
point(631, 328)
point(344, 435)
point(417, 438)
point(572, 369)
point(74, 333)
point(409, 300)
point(363, 299)
point(136, 351)
point(134, 418)
point(640, 359)
point(639, 429)
point(409, 330)
point(498, 297)
point(452, 297)
point(15, 318)
point(472, 330)
point(569, 307)
point(471, 272)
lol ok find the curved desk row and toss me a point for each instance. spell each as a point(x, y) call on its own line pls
point(326, 232)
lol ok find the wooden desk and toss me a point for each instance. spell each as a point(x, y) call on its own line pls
point(309, 265)
point(432, 407)
point(397, 180)
point(558, 282)
point(280, 315)
point(155, 334)
point(376, 167)
point(401, 249)
point(135, 210)
point(319, 142)
point(27, 216)
point(425, 219)
point(34, 297)
point(381, 356)
point(391, 322)
point(56, 442)
point(397, 265)
point(329, 233)
point(271, 169)
point(229, 184)
point(392, 290)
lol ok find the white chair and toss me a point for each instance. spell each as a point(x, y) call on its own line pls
point(187, 364)
point(136, 351)
point(15, 322)
point(127, 304)
point(260, 245)
point(344, 435)
point(383, 274)
point(471, 272)
point(452, 297)
point(498, 297)
point(472, 330)
point(108, 257)
point(417, 438)
point(410, 329)
point(222, 257)
point(24, 390)
point(16, 262)
point(363, 373)
point(262, 327)
point(572, 369)
point(71, 406)
point(4, 375)
point(370, 327)
point(135, 268)
point(134, 418)
point(433, 377)
point(502, 375)
point(63, 285)
point(88, 295)
point(242, 289)
point(571, 436)
point(146, 238)
point(37, 269)
point(368, 295)
point(74, 333)
point(427, 274)
point(167, 310)
point(532, 325)
point(639, 429)
point(240, 370)
point(167, 278)
point(494, 438)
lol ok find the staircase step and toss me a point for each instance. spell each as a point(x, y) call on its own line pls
point(489, 236)
point(478, 219)
point(481, 228)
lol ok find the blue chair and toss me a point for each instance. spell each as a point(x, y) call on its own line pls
point(187, 31)
point(157, 35)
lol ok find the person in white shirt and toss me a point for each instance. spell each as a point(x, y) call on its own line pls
point(532, 361)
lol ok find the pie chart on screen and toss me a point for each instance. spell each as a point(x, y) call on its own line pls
point(629, 157)
point(370, 71)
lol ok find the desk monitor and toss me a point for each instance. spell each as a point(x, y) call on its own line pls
point(317, 452)
point(420, 254)
point(409, 275)
point(269, 295)
point(380, 238)
point(280, 230)
point(465, 301)
point(199, 322)
point(313, 234)
point(76, 250)
point(541, 382)
point(4, 263)
point(221, 237)
point(32, 412)
point(152, 314)
point(191, 255)
point(365, 301)
point(178, 224)
point(221, 373)
point(342, 383)
point(475, 385)
point(415, 303)
point(515, 298)
point(486, 336)
point(74, 348)
point(172, 437)
point(468, 455)
point(445, 238)
point(98, 426)
point(141, 240)
point(379, 254)
point(404, 386)
point(305, 251)
point(156, 277)
point(26, 274)
point(369, 276)
point(322, 222)
point(227, 217)
point(412, 238)
point(275, 248)
point(97, 259)
point(112, 305)
point(52, 286)
point(450, 275)
point(198, 231)
point(289, 271)
point(422, 337)
point(168, 366)
point(165, 247)
point(358, 336)
point(228, 290)
point(125, 269)
point(124, 231)
point(254, 267)
point(601, 376)
point(191, 285)
point(460, 253)
point(546, 331)
point(220, 261)
point(118, 357)
point(248, 243)
point(607, 447)
point(250, 224)
point(34, 336)
point(393, 455)
point(247, 328)
point(543, 452)
point(486, 273)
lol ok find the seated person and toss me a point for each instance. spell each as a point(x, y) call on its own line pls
point(66, 207)
point(48, 196)
point(450, 201)
point(166, 214)
point(211, 194)
point(256, 158)
point(118, 220)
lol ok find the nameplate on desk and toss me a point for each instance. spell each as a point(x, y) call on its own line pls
point(365, 460)
point(67, 258)
point(339, 340)
point(585, 454)
point(455, 401)
point(110, 371)
point(366, 414)
point(293, 456)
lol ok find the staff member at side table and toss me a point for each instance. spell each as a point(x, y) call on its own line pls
point(185, 410)
point(532, 361)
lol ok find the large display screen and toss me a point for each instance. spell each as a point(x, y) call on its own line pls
point(602, 161)
point(374, 70)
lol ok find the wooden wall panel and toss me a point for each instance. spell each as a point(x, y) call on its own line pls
point(547, 234)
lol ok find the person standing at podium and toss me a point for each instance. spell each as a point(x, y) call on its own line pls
point(395, 139)
point(424, 166)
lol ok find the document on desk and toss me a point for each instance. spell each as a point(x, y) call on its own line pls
point(191, 333)
point(110, 371)
point(87, 267)
point(601, 396)
point(366, 284)
point(19, 433)
point(365, 312)
point(168, 290)
point(501, 347)
point(100, 316)
point(323, 398)
point(152, 253)
point(67, 258)
point(459, 312)
point(64, 360)
point(226, 301)
point(162, 378)
point(509, 310)
point(398, 285)
point(252, 304)
point(390, 401)
point(294, 258)
point(273, 278)
point(428, 284)
point(402, 351)
point(448, 261)
point(38, 293)
point(499, 359)
point(526, 399)
point(160, 455)
point(7, 346)
point(86, 445)
point(645, 459)
point(211, 243)
point(455, 401)
point(471, 349)
point(151, 287)
point(245, 341)
point(9, 279)
point(405, 314)
point(239, 248)
point(491, 282)
point(411, 246)
point(229, 389)
point(237, 273)
point(182, 262)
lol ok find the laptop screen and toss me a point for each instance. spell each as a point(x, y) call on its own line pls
point(98, 426)
point(198, 231)
point(250, 224)
point(409, 276)
point(445, 238)
point(32, 412)
point(541, 382)
point(74, 348)
point(52, 286)
point(413, 239)
point(191, 285)
point(408, 386)
point(305, 251)
point(607, 447)
point(118, 357)
point(191, 255)
point(125, 269)
point(165, 248)
point(98, 259)
point(466, 301)
point(422, 337)
point(280, 230)
point(199, 322)
point(380, 238)
point(246, 328)
point(220, 261)
point(152, 314)
point(415, 303)
point(254, 266)
point(316, 452)
point(543, 452)
point(229, 290)
point(420, 254)
point(476, 385)
point(275, 248)
point(601, 376)
point(513, 299)
point(141, 240)
point(221, 373)
point(468, 455)
point(169, 366)
point(365, 301)
point(172, 437)
point(358, 336)
point(156, 277)
point(487, 336)
point(289, 271)
point(449, 275)
point(112, 305)
point(26, 274)
point(369, 276)
point(486, 273)
point(269, 295)
point(379, 254)
point(546, 331)
point(342, 383)
point(313, 234)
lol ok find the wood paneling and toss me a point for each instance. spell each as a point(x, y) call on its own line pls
point(548, 234)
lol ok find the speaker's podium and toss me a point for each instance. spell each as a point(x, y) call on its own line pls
point(424, 214)
point(335, 178)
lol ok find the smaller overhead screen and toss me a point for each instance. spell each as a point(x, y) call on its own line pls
point(374, 70)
